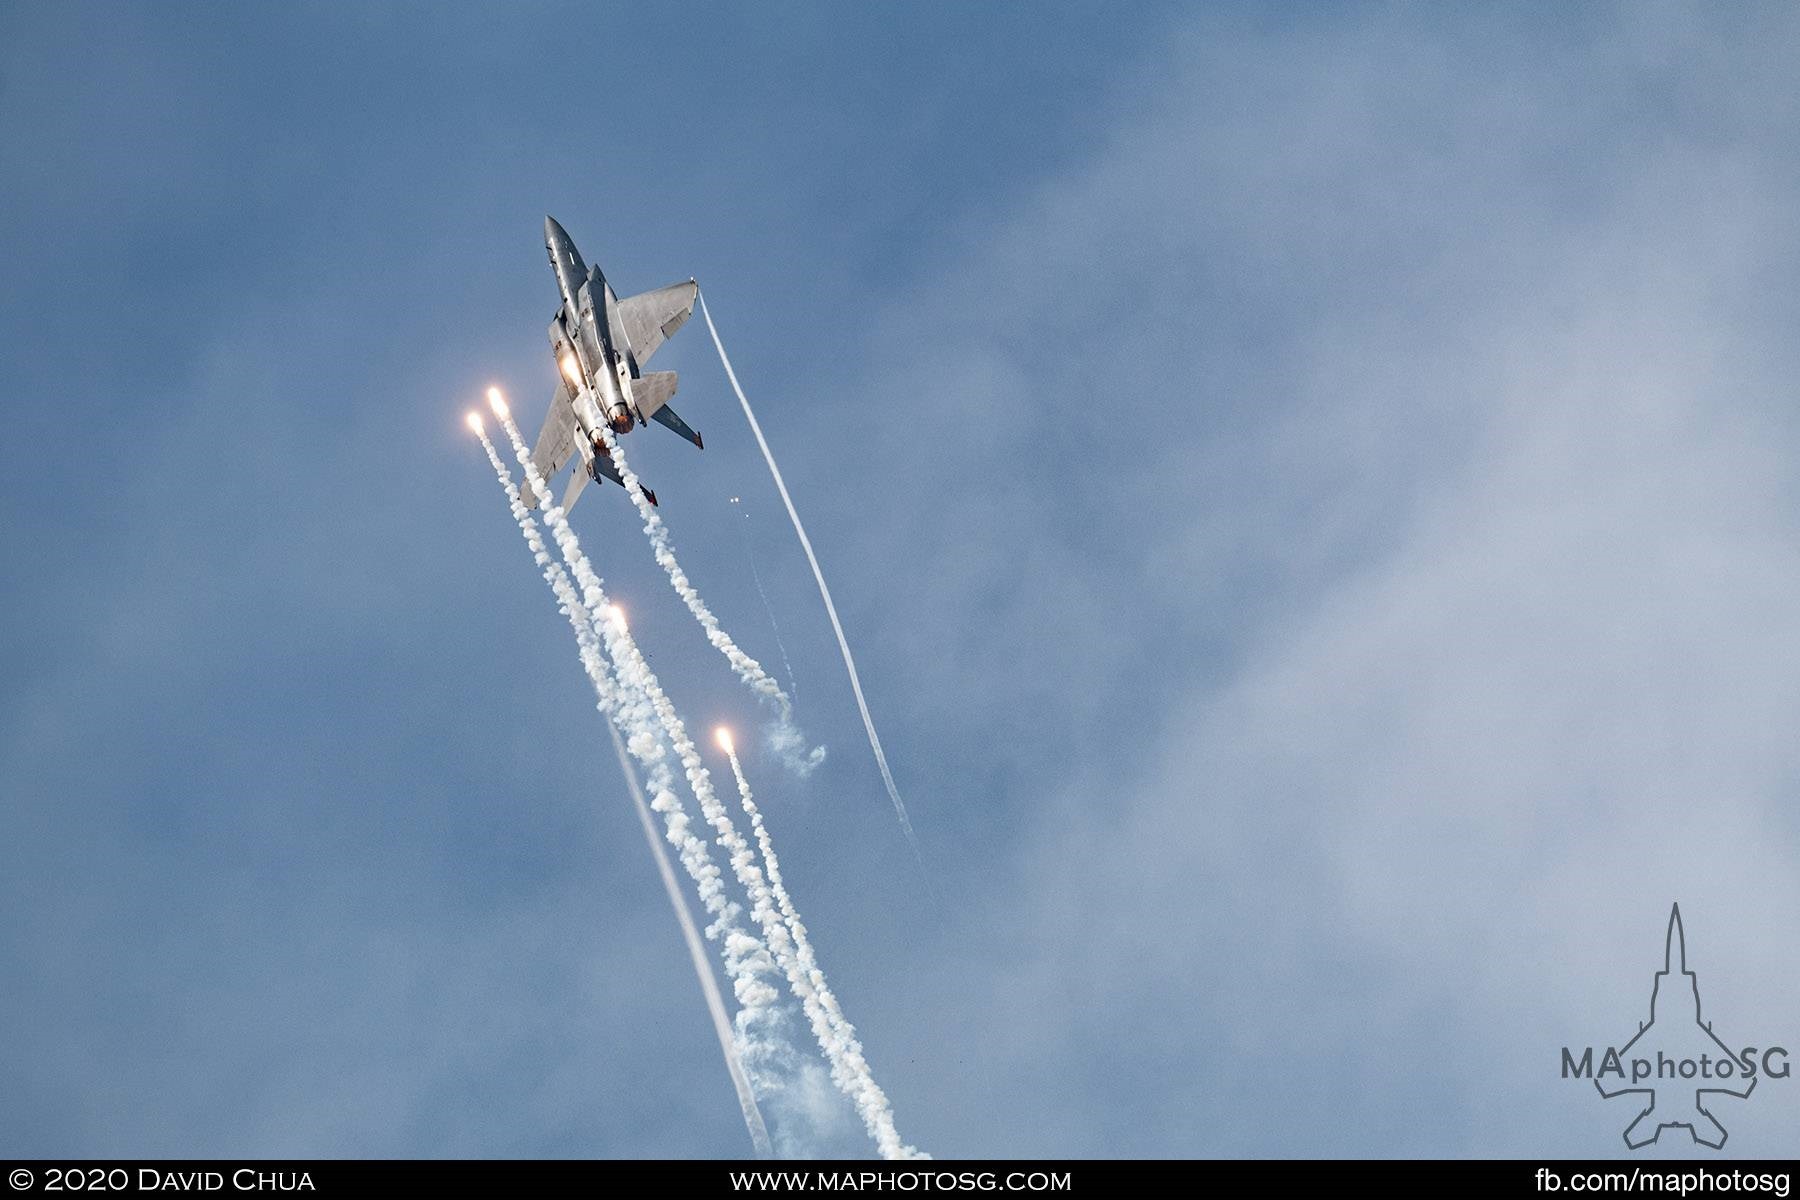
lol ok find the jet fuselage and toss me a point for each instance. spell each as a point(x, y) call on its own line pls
point(587, 353)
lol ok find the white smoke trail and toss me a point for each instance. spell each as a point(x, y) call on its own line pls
point(635, 710)
point(690, 934)
point(769, 609)
point(784, 738)
point(887, 776)
point(642, 707)
point(607, 700)
point(635, 678)
point(843, 1033)
point(851, 1074)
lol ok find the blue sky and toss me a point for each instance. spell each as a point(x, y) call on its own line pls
point(1312, 497)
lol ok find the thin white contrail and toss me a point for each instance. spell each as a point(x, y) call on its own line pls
point(787, 740)
point(606, 697)
point(837, 627)
point(634, 676)
point(844, 1033)
point(769, 609)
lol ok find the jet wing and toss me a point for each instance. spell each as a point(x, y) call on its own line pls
point(578, 479)
point(651, 318)
point(556, 441)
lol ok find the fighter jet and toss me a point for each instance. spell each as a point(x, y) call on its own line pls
point(600, 344)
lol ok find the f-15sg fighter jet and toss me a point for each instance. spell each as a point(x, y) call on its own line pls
point(600, 344)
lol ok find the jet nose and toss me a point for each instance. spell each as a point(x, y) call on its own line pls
point(553, 233)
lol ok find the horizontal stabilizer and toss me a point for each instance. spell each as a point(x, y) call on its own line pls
point(604, 469)
point(667, 417)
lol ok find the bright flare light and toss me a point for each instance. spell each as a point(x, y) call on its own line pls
point(475, 421)
point(497, 402)
point(616, 613)
point(724, 736)
point(571, 369)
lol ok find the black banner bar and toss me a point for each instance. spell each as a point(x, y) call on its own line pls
point(339, 1177)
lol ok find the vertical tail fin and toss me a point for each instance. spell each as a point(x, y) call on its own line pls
point(651, 391)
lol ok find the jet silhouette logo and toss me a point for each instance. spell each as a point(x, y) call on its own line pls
point(1675, 1064)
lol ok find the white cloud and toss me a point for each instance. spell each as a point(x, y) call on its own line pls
point(1403, 410)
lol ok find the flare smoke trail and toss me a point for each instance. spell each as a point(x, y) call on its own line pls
point(785, 738)
point(746, 958)
point(887, 776)
point(774, 625)
point(578, 616)
point(850, 1074)
point(634, 675)
point(841, 1030)
point(747, 961)
point(715, 1003)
